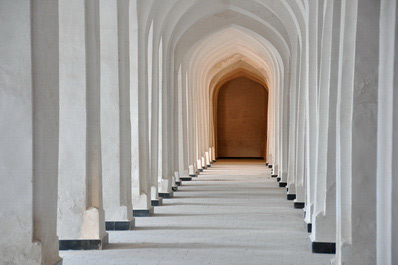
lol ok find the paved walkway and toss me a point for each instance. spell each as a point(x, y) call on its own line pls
point(232, 214)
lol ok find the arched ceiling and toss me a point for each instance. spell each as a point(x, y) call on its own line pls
point(207, 37)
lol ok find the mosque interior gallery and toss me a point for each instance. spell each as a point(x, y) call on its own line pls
point(231, 132)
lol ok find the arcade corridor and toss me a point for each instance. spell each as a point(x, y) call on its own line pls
point(107, 106)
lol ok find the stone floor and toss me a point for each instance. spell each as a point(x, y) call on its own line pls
point(233, 213)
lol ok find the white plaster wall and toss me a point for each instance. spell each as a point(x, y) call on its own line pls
point(29, 142)
point(300, 133)
point(283, 40)
point(160, 64)
point(387, 217)
point(324, 216)
point(80, 212)
point(357, 134)
point(114, 129)
point(311, 91)
point(141, 193)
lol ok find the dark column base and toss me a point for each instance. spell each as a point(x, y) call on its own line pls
point(209, 165)
point(166, 195)
point(83, 244)
point(282, 184)
point(266, 164)
point(157, 202)
point(200, 170)
point(278, 179)
point(269, 166)
point(309, 228)
point(143, 212)
point(291, 197)
point(203, 168)
point(178, 182)
point(299, 205)
point(185, 178)
point(274, 176)
point(193, 175)
point(119, 225)
point(324, 247)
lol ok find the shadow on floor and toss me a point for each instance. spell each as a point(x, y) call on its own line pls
point(113, 246)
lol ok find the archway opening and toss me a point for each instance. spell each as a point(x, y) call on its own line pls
point(241, 119)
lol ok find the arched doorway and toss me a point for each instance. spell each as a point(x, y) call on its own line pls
point(241, 119)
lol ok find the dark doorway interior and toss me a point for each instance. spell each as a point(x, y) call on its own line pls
point(241, 119)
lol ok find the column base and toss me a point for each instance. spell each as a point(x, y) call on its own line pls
point(143, 212)
point(83, 244)
point(309, 228)
point(157, 202)
point(278, 179)
point(185, 178)
point(324, 247)
point(178, 182)
point(266, 164)
point(200, 170)
point(299, 205)
point(193, 175)
point(269, 166)
point(274, 176)
point(282, 184)
point(175, 188)
point(119, 225)
point(291, 197)
point(209, 165)
point(166, 195)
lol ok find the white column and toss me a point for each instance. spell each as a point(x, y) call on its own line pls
point(300, 134)
point(181, 126)
point(160, 115)
point(115, 115)
point(191, 108)
point(357, 133)
point(311, 103)
point(154, 68)
point(211, 157)
point(141, 191)
point(293, 101)
point(81, 221)
point(323, 235)
point(207, 159)
point(168, 138)
point(29, 132)
point(284, 127)
point(387, 138)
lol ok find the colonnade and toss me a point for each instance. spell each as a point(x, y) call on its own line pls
point(106, 106)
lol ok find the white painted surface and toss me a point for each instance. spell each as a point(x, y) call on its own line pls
point(80, 210)
point(180, 51)
point(29, 132)
point(387, 233)
point(114, 107)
